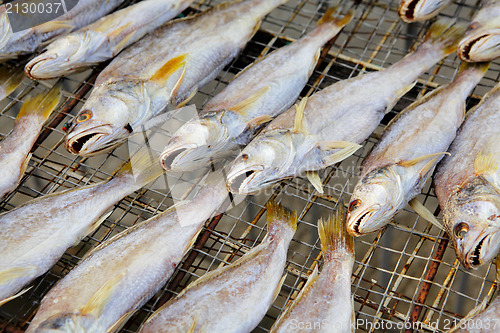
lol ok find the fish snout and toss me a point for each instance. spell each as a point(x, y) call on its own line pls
point(89, 142)
point(39, 67)
point(362, 220)
point(174, 158)
point(240, 180)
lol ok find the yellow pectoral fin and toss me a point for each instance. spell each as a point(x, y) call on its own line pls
point(485, 164)
point(248, 102)
point(8, 299)
point(315, 180)
point(299, 125)
point(120, 322)
point(115, 33)
point(424, 213)
point(170, 67)
point(43, 104)
point(346, 149)
point(13, 273)
point(255, 122)
point(278, 287)
point(123, 43)
point(54, 25)
point(414, 161)
point(98, 301)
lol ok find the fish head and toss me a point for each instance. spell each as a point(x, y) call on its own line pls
point(66, 55)
point(480, 45)
point(472, 220)
point(266, 160)
point(5, 28)
point(195, 144)
point(420, 10)
point(68, 322)
point(375, 200)
point(108, 118)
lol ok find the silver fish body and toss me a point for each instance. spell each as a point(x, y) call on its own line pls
point(119, 276)
point(258, 94)
point(482, 42)
point(35, 235)
point(103, 39)
point(161, 71)
point(485, 321)
point(234, 298)
point(29, 40)
point(331, 124)
point(325, 303)
point(15, 148)
point(467, 184)
point(398, 167)
point(421, 10)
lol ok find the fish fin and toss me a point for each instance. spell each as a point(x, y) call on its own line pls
point(95, 225)
point(170, 67)
point(192, 328)
point(479, 66)
point(178, 84)
point(98, 301)
point(256, 122)
point(484, 164)
point(54, 25)
point(446, 33)
point(13, 273)
point(8, 299)
point(144, 165)
point(346, 150)
point(118, 325)
point(422, 211)
point(248, 102)
point(278, 214)
point(42, 104)
point(25, 164)
point(428, 166)
point(10, 79)
point(414, 161)
point(115, 33)
point(330, 17)
point(192, 241)
point(190, 97)
point(315, 180)
point(333, 233)
point(391, 102)
point(299, 125)
point(123, 43)
point(279, 286)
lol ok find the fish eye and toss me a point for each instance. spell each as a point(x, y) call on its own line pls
point(354, 204)
point(242, 158)
point(84, 116)
point(461, 230)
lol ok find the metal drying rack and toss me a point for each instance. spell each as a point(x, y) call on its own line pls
point(406, 276)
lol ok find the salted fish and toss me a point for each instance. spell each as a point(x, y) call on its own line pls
point(421, 10)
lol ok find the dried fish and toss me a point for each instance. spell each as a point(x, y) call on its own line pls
point(421, 10)
point(162, 71)
point(103, 39)
point(398, 167)
point(330, 125)
point(233, 298)
point(257, 95)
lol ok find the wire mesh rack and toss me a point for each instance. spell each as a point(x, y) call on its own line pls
point(406, 276)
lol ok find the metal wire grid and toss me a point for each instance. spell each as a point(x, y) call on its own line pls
point(404, 273)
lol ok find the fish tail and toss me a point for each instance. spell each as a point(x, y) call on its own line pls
point(480, 67)
point(42, 104)
point(446, 33)
point(145, 167)
point(333, 233)
point(330, 18)
point(279, 214)
point(10, 79)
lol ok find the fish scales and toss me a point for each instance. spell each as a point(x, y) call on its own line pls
point(136, 262)
point(140, 84)
point(259, 93)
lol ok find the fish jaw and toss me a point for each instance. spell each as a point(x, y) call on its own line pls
point(93, 139)
point(375, 201)
point(420, 10)
point(267, 159)
point(68, 55)
point(196, 144)
point(481, 45)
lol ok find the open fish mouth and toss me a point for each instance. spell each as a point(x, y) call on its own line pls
point(40, 67)
point(407, 10)
point(238, 182)
point(169, 157)
point(474, 260)
point(353, 228)
point(81, 144)
point(483, 46)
